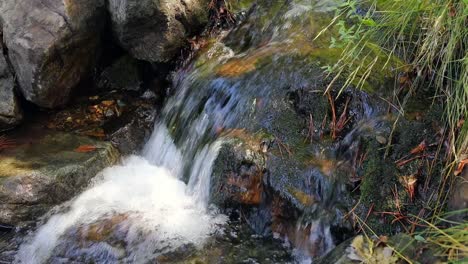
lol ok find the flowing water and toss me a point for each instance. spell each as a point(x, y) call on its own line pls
point(145, 202)
point(159, 202)
point(156, 211)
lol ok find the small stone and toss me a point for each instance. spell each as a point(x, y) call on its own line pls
point(381, 139)
point(109, 113)
point(148, 94)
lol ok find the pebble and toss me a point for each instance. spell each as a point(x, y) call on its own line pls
point(381, 139)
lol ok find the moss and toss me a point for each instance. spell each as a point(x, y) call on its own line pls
point(382, 177)
point(378, 177)
point(237, 6)
point(410, 133)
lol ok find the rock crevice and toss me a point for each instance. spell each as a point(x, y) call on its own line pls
point(10, 112)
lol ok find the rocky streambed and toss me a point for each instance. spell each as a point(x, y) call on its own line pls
point(238, 152)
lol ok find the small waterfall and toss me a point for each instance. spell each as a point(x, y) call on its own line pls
point(158, 212)
point(143, 208)
point(158, 202)
point(312, 239)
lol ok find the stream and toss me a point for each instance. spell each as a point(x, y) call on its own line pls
point(151, 204)
point(232, 132)
point(159, 202)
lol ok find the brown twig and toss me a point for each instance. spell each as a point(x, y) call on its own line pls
point(310, 133)
point(371, 208)
point(333, 122)
point(413, 223)
point(283, 145)
point(402, 162)
point(343, 120)
point(324, 121)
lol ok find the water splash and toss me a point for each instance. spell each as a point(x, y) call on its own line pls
point(156, 211)
point(314, 239)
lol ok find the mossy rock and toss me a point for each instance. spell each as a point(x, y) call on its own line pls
point(266, 76)
point(386, 168)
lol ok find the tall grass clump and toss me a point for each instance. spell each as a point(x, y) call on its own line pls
point(429, 38)
point(449, 238)
point(424, 44)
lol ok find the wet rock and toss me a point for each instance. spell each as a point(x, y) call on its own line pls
point(52, 45)
point(89, 243)
point(10, 112)
point(265, 77)
point(46, 172)
point(131, 132)
point(155, 30)
point(123, 74)
point(238, 175)
point(237, 245)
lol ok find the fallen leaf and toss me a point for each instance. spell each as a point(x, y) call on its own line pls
point(85, 148)
point(420, 148)
point(452, 11)
point(410, 182)
point(460, 167)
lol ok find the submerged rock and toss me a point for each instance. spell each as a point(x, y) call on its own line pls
point(52, 45)
point(36, 176)
point(155, 30)
point(10, 112)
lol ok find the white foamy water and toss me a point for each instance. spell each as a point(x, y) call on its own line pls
point(158, 211)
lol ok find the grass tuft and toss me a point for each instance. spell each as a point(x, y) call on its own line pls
point(424, 42)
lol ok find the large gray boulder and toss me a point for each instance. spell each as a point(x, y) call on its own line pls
point(10, 112)
point(47, 171)
point(155, 30)
point(52, 45)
